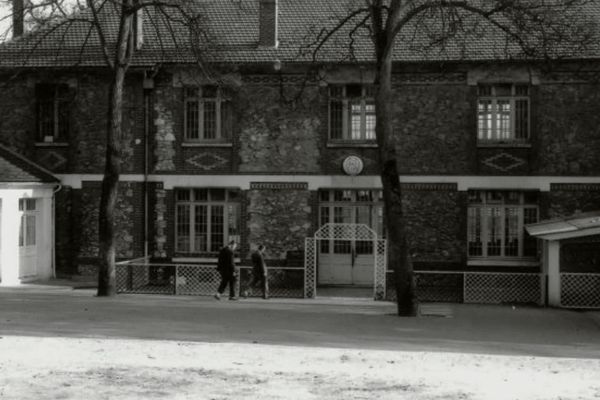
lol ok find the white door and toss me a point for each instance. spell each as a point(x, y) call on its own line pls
point(28, 241)
point(347, 262)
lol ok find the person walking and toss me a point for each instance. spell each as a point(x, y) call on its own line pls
point(259, 272)
point(226, 268)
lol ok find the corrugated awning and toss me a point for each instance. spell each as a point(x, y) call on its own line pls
point(578, 225)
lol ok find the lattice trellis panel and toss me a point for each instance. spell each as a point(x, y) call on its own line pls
point(310, 268)
point(144, 278)
point(380, 270)
point(345, 232)
point(502, 288)
point(197, 280)
point(580, 290)
point(282, 282)
point(446, 287)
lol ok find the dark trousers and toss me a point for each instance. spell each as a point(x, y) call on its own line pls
point(227, 279)
point(259, 277)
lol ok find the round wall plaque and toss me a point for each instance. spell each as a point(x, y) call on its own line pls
point(352, 165)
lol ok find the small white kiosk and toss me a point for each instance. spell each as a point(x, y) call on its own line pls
point(576, 289)
point(26, 220)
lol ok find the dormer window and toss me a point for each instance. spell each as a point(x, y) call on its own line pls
point(503, 113)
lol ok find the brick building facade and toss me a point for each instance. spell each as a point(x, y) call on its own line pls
point(485, 148)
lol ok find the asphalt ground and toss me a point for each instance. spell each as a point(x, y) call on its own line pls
point(56, 310)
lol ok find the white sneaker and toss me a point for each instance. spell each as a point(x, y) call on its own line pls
point(218, 296)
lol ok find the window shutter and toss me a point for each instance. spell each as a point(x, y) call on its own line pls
point(226, 119)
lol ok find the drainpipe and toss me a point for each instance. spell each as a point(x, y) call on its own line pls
point(53, 224)
point(148, 86)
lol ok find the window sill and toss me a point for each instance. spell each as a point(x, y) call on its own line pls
point(51, 144)
point(206, 144)
point(503, 144)
point(359, 144)
point(509, 262)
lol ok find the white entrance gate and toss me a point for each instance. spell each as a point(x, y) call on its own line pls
point(351, 232)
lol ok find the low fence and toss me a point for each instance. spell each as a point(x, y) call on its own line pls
point(580, 290)
point(473, 287)
point(140, 276)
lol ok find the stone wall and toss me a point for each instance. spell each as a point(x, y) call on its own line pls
point(435, 127)
point(435, 224)
point(280, 219)
point(129, 219)
point(567, 199)
point(17, 125)
point(568, 129)
point(277, 137)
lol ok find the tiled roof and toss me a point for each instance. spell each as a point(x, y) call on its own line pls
point(232, 28)
point(15, 168)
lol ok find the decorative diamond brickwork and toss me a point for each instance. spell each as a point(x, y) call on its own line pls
point(504, 162)
point(206, 161)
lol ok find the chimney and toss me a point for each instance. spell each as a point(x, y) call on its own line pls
point(267, 15)
point(18, 9)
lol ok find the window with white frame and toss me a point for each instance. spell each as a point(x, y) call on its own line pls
point(503, 113)
point(207, 114)
point(27, 230)
point(351, 113)
point(496, 224)
point(53, 112)
point(206, 219)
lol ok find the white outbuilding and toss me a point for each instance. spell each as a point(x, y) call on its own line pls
point(26, 220)
point(571, 259)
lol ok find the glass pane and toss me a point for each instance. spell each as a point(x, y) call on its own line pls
point(484, 120)
point(355, 119)
point(201, 228)
point(503, 113)
point(233, 219)
point(364, 195)
point(529, 242)
point(22, 232)
point(30, 230)
point(200, 194)
point(370, 121)
point(342, 195)
point(324, 195)
point(217, 228)
point(342, 215)
point(336, 91)
point(336, 112)
point(21, 204)
point(190, 92)
point(494, 228)
point(183, 195)
point(485, 90)
point(522, 90)
point(217, 194)
point(191, 119)
point(475, 197)
point(474, 242)
point(233, 195)
point(354, 91)
point(210, 120)
point(511, 239)
point(522, 119)
point(503, 90)
point(209, 91)
point(183, 228)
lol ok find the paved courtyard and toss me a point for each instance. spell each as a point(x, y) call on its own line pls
point(61, 343)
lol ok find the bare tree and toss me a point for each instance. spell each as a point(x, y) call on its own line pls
point(177, 31)
point(516, 29)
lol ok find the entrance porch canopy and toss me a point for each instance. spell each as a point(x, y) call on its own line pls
point(553, 232)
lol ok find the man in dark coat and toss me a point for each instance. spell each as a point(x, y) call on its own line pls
point(226, 268)
point(259, 272)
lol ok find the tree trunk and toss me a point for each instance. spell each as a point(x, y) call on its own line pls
point(112, 167)
point(398, 253)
